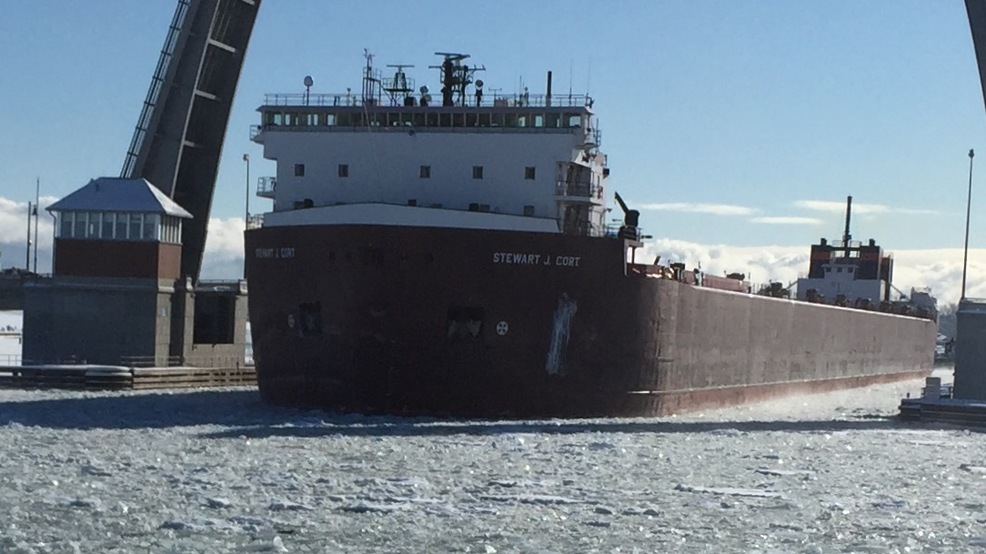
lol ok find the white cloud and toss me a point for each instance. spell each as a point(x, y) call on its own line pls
point(715, 209)
point(786, 220)
point(840, 207)
point(939, 269)
point(223, 258)
point(857, 208)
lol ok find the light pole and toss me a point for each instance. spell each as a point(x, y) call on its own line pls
point(246, 218)
point(37, 203)
point(968, 204)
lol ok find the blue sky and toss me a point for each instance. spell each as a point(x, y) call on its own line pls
point(729, 123)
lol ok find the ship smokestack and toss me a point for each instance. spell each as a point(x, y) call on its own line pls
point(846, 237)
point(547, 97)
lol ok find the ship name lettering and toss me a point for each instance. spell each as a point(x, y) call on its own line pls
point(512, 258)
point(515, 258)
point(274, 252)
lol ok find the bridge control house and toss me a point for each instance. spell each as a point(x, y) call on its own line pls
point(116, 295)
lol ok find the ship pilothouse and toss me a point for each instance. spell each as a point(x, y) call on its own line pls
point(468, 157)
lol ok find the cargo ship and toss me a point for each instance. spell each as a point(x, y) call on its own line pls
point(450, 256)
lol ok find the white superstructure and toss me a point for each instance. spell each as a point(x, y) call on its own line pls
point(392, 155)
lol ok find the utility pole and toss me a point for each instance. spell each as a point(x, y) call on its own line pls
point(27, 255)
point(968, 204)
point(37, 201)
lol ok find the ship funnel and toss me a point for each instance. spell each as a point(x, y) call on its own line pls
point(846, 237)
point(547, 97)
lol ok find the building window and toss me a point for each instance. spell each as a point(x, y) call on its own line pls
point(80, 225)
point(529, 172)
point(121, 226)
point(299, 170)
point(136, 222)
point(477, 172)
point(425, 172)
point(108, 224)
point(66, 224)
point(150, 227)
point(344, 170)
point(95, 222)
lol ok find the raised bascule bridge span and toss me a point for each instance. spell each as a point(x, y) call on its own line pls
point(178, 140)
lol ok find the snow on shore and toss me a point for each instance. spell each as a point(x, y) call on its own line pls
point(219, 471)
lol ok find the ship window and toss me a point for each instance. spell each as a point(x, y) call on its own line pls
point(573, 120)
point(522, 121)
point(445, 120)
point(66, 227)
point(310, 319)
point(278, 119)
point(108, 226)
point(393, 119)
point(510, 120)
point(484, 120)
point(529, 210)
point(477, 172)
point(344, 170)
point(539, 120)
point(472, 120)
point(299, 170)
point(121, 226)
point(849, 270)
point(330, 119)
point(529, 172)
point(497, 120)
point(828, 270)
point(458, 120)
point(418, 119)
point(425, 172)
point(136, 221)
point(433, 119)
point(838, 270)
point(80, 225)
point(412, 201)
point(554, 120)
point(312, 119)
point(464, 323)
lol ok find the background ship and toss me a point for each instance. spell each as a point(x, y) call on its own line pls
point(450, 257)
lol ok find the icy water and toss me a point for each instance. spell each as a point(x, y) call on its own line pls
point(218, 471)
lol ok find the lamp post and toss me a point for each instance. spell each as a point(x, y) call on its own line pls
point(246, 218)
point(37, 204)
point(968, 204)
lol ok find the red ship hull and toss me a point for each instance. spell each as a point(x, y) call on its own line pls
point(461, 322)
